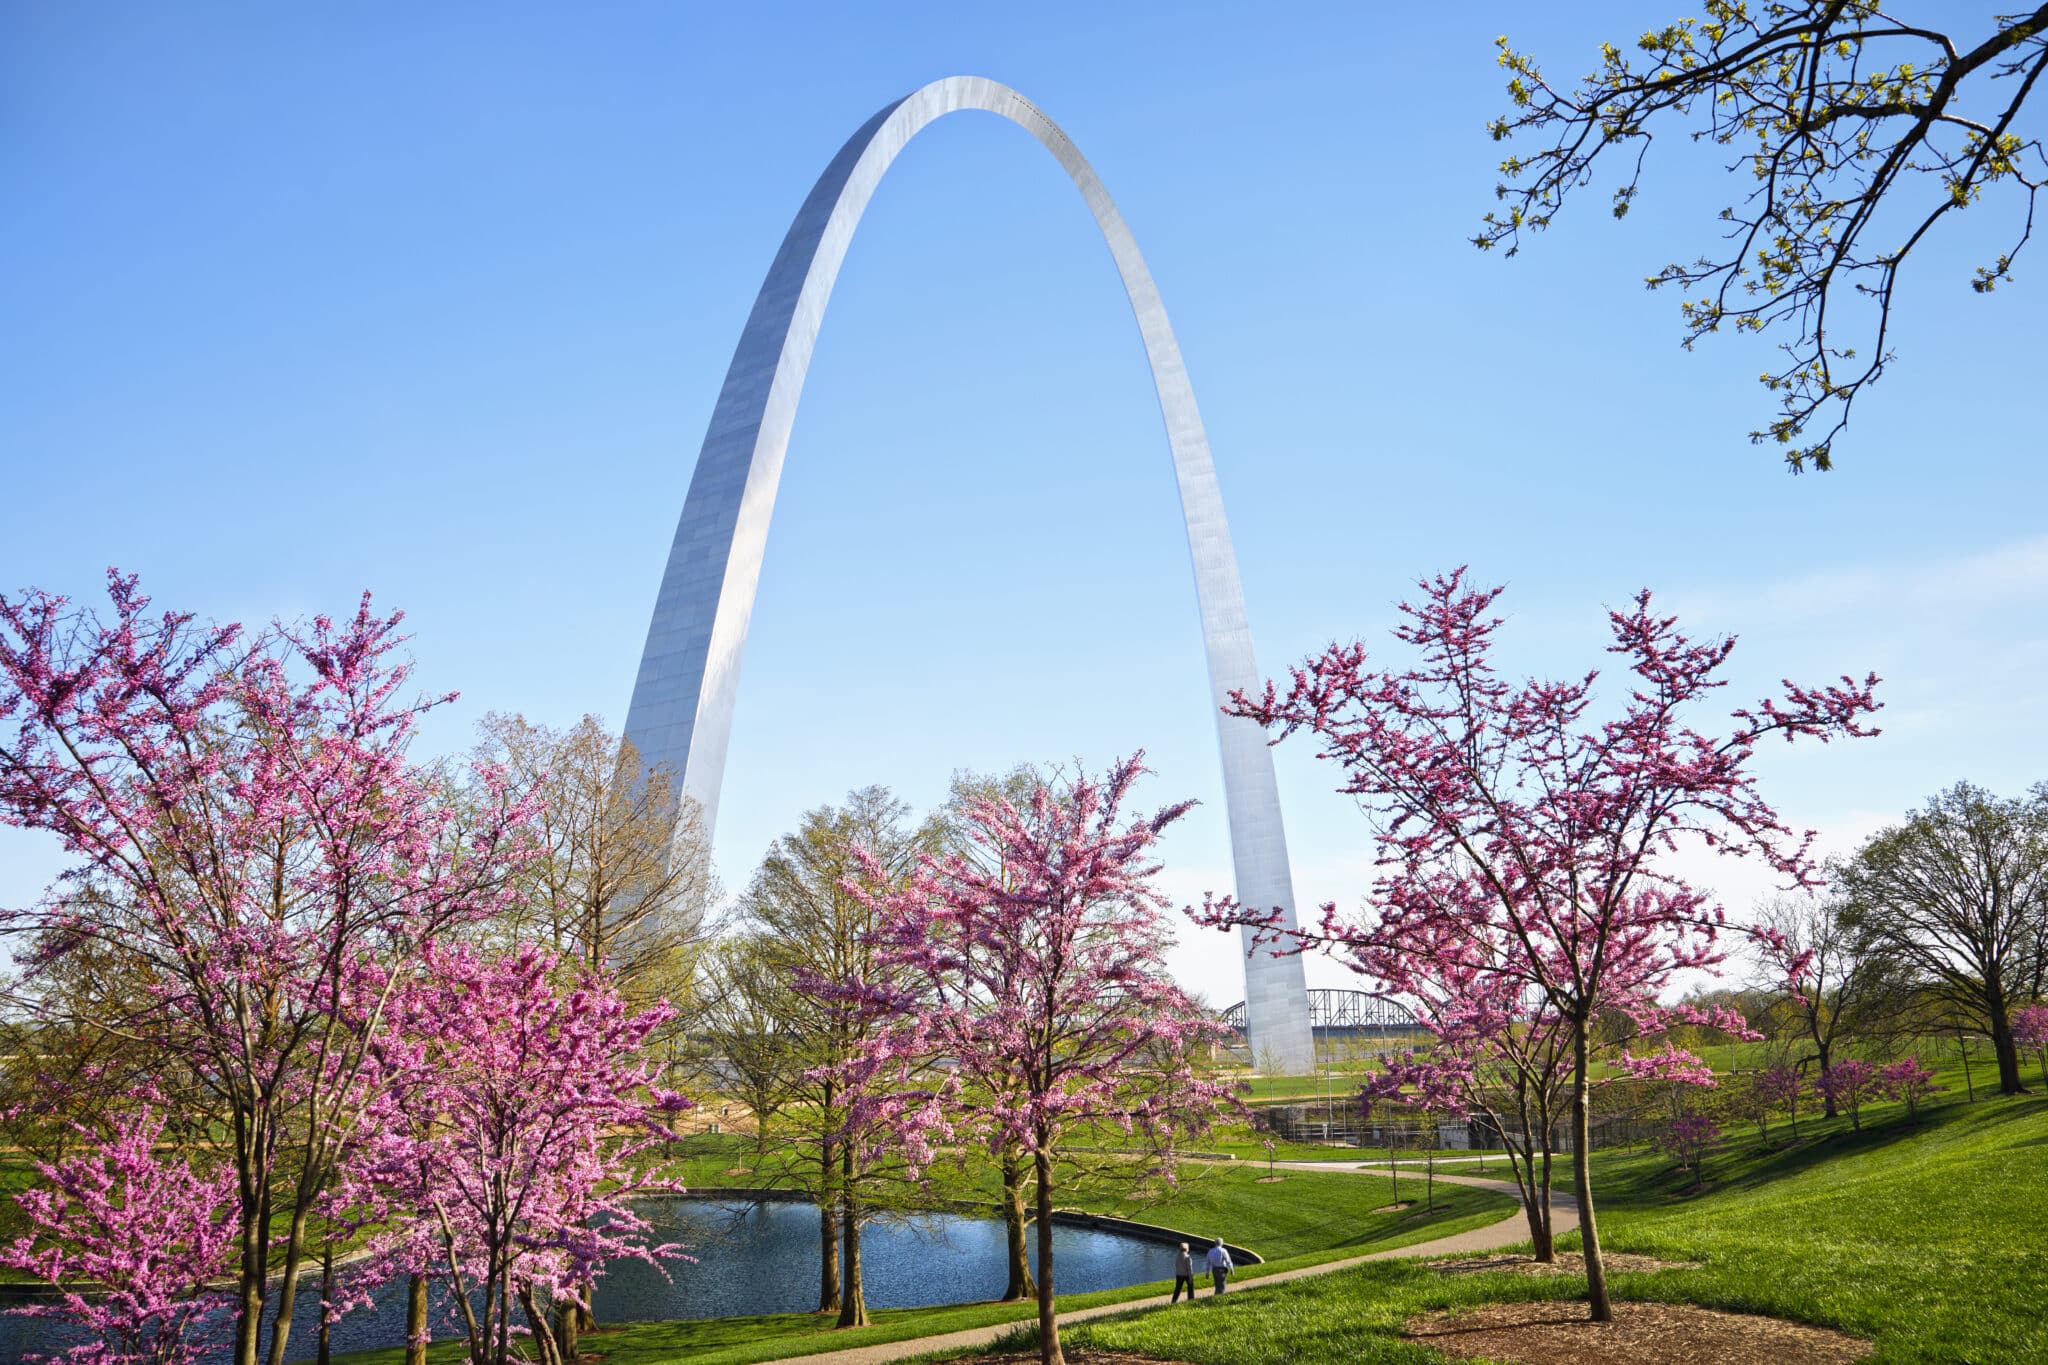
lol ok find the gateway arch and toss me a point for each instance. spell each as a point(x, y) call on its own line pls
point(682, 708)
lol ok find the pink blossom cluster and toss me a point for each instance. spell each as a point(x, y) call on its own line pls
point(1848, 1084)
point(1026, 994)
point(1688, 1138)
point(1524, 888)
point(133, 1241)
point(1779, 1087)
point(515, 1122)
point(249, 837)
point(1909, 1081)
point(1037, 971)
point(2030, 1026)
point(1521, 846)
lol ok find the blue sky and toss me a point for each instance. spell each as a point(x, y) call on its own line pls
point(435, 301)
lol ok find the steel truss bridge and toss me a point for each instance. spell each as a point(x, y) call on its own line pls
point(1338, 1015)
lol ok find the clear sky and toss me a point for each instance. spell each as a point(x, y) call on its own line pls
point(435, 301)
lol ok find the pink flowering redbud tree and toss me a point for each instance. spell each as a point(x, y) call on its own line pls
point(1779, 1087)
point(518, 1120)
point(1036, 971)
point(1524, 846)
point(133, 1240)
point(1498, 1053)
point(1848, 1084)
point(1688, 1138)
point(247, 836)
point(1909, 1082)
point(2030, 1029)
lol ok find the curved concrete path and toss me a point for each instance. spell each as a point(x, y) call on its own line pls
point(1564, 1214)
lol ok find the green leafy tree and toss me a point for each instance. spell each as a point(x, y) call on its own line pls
point(622, 883)
point(755, 1056)
point(1850, 990)
point(810, 927)
point(1958, 895)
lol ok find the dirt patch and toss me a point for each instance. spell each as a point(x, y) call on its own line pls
point(1567, 1263)
point(1270, 1179)
point(1395, 1207)
point(1641, 1334)
point(734, 1170)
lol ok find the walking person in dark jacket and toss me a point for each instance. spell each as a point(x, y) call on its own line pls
point(1184, 1274)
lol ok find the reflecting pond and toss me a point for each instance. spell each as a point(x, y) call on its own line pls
point(758, 1258)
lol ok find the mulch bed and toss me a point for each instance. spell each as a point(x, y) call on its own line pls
point(1396, 1206)
point(1641, 1334)
point(1074, 1357)
point(1567, 1263)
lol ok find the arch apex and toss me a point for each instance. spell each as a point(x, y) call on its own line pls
point(688, 682)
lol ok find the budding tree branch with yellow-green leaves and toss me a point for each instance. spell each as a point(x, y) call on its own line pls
point(1861, 131)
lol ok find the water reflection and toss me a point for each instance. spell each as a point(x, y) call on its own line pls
point(754, 1258)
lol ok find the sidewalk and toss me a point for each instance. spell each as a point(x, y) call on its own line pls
point(1492, 1237)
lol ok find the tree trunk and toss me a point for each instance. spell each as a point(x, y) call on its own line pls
point(1599, 1309)
point(323, 1353)
point(249, 1321)
point(1827, 1110)
point(852, 1294)
point(538, 1327)
point(416, 1321)
point(1533, 1180)
point(1534, 1183)
point(288, 1286)
point(569, 1329)
point(458, 1291)
point(2008, 1054)
point(1048, 1317)
point(1542, 1240)
point(504, 1348)
point(255, 1260)
point(1021, 1285)
point(586, 1311)
point(828, 1249)
point(853, 1299)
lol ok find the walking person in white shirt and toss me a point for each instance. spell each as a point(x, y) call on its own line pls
point(1219, 1266)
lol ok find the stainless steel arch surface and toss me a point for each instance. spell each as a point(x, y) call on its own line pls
point(681, 713)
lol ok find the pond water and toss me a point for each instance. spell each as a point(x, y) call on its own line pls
point(757, 1258)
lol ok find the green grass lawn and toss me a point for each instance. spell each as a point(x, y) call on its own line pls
point(1306, 1218)
point(1929, 1238)
point(1239, 1140)
point(1940, 1051)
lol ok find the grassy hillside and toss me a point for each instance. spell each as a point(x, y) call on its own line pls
point(1928, 1237)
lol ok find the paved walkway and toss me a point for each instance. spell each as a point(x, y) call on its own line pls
point(1508, 1231)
